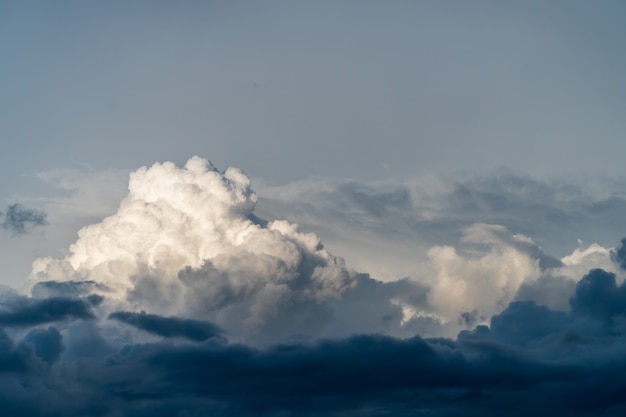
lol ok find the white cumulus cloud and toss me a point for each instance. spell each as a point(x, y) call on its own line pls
point(185, 241)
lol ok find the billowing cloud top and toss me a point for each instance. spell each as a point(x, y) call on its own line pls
point(185, 242)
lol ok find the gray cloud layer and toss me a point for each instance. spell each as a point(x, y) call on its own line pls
point(530, 360)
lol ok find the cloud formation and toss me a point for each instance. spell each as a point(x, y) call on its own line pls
point(530, 356)
point(186, 302)
point(19, 219)
point(185, 242)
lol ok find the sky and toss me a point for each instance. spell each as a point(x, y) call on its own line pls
point(302, 208)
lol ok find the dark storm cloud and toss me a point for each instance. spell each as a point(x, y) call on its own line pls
point(598, 296)
point(47, 343)
point(374, 374)
point(597, 315)
point(169, 326)
point(12, 358)
point(19, 219)
point(538, 358)
point(531, 360)
point(24, 312)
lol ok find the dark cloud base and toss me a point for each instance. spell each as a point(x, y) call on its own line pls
point(530, 360)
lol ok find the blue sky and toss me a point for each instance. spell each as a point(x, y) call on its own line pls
point(413, 180)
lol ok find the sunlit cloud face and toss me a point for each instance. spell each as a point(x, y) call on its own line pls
point(185, 241)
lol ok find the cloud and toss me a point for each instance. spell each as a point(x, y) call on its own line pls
point(72, 289)
point(496, 234)
point(361, 372)
point(525, 321)
point(482, 281)
point(19, 219)
point(461, 237)
point(13, 359)
point(23, 312)
point(477, 374)
point(619, 254)
point(480, 373)
point(169, 327)
point(492, 321)
point(553, 291)
point(598, 296)
point(597, 313)
point(185, 242)
point(47, 343)
point(386, 227)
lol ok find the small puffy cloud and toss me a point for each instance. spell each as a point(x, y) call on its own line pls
point(483, 278)
point(597, 314)
point(19, 219)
